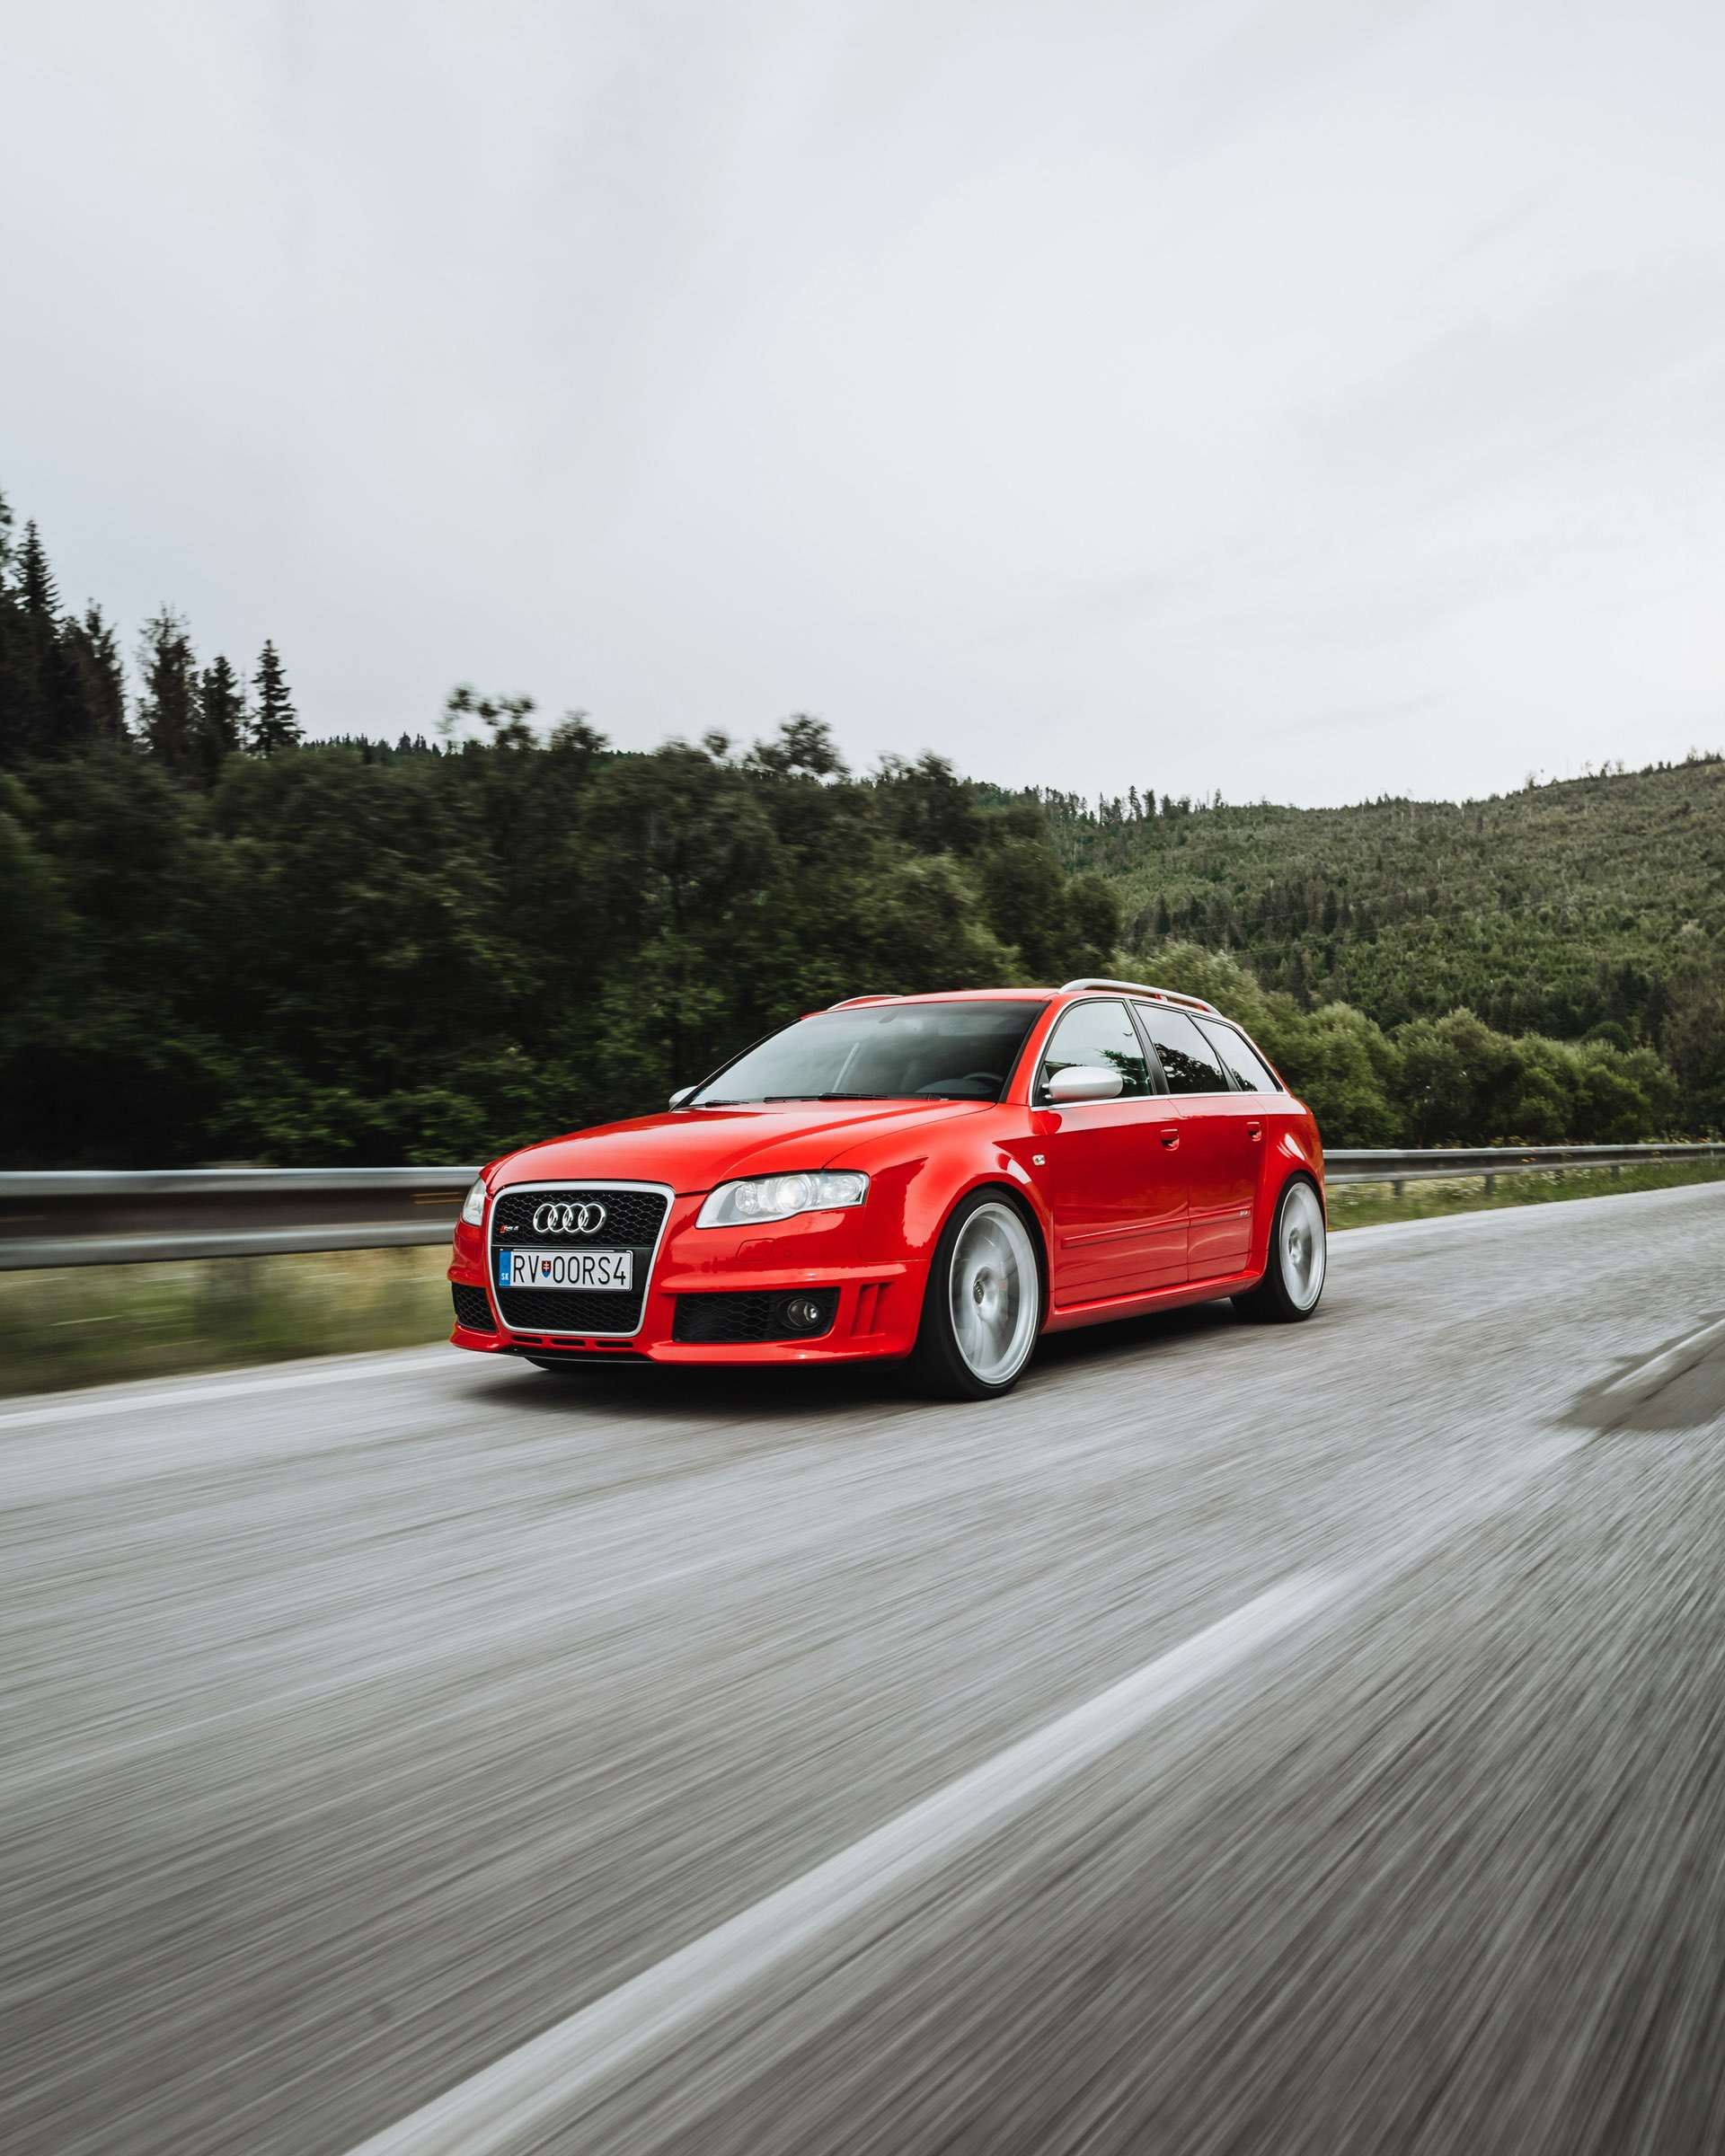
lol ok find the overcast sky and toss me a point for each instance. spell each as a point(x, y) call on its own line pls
point(1313, 399)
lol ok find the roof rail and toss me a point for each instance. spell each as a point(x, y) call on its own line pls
point(1160, 995)
point(850, 1000)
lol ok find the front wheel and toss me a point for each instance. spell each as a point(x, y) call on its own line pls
point(983, 1305)
point(1298, 1256)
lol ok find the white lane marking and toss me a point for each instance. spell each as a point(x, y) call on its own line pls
point(1648, 1378)
point(326, 1371)
point(528, 2086)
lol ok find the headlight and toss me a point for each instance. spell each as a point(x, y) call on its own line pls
point(779, 1196)
point(472, 1206)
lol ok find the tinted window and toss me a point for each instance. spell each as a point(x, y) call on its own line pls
point(1187, 1057)
point(1100, 1037)
point(1241, 1058)
point(882, 1052)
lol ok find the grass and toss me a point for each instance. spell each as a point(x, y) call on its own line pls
point(98, 1324)
point(90, 1325)
point(1369, 1205)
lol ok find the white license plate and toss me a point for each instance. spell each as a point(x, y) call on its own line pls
point(566, 1268)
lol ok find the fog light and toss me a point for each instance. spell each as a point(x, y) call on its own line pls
point(803, 1314)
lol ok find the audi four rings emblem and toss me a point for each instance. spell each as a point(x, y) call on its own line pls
point(568, 1220)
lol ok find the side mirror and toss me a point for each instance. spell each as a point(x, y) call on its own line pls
point(1084, 1081)
point(681, 1097)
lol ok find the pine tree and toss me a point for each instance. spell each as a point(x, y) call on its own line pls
point(274, 727)
point(221, 717)
point(37, 590)
point(102, 677)
point(17, 673)
point(42, 708)
point(168, 713)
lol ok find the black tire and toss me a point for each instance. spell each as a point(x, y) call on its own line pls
point(939, 1364)
point(1287, 1295)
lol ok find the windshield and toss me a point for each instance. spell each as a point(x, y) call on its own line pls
point(882, 1052)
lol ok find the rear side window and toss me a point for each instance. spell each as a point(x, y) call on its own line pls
point(1188, 1060)
point(1239, 1057)
point(1100, 1037)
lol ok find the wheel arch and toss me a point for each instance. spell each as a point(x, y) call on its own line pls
point(1300, 1171)
point(1294, 1169)
point(995, 1185)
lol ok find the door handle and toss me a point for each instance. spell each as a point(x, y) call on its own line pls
point(1254, 1131)
point(1169, 1135)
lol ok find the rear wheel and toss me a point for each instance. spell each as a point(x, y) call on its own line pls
point(983, 1305)
point(1298, 1257)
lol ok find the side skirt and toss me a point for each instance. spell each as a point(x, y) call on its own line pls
point(1069, 1316)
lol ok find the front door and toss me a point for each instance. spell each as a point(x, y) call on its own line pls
point(1116, 1179)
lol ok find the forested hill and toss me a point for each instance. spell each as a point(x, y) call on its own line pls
point(226, 940)
point(1582, 906)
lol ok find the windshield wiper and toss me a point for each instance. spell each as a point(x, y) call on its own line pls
point(771, 1100)
point(765, 1097)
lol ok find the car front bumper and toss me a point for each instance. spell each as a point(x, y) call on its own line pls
point(879, 1293)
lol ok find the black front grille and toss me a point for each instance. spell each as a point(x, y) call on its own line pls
point(633, 1220)
point(734, 1321)
point(571, 1309)
point(471, 1309)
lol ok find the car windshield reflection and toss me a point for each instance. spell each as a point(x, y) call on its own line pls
point(937, 1051)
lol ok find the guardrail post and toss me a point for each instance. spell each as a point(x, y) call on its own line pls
point(1397, 1186)
point(1490, 1184)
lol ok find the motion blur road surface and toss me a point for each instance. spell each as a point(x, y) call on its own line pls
point(1240, 1739)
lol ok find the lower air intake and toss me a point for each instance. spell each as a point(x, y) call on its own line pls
point(748, 1318)
point(471, 1309)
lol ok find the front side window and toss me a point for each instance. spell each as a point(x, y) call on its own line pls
point(1098, 1037)
point(957, 1051)
point(1188, 1060)
point(1240, 1058)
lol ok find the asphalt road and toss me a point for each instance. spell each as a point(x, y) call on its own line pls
point(1306, 1739)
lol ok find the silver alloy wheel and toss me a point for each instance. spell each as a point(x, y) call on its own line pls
point(995, 1293)
point(1301, 1229)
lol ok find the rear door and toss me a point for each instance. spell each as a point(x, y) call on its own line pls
point(1221, 1143)
point(1114, 1180)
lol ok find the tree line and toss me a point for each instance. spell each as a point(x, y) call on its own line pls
point(1588, 911)
point(231, 941)
point(63, 680)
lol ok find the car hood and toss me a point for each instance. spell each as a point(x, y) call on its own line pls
point(692, 1149)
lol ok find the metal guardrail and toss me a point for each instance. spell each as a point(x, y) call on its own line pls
point(74, 1218)
point(1448, 1162)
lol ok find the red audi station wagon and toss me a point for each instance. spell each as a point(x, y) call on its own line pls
point(934, 1179)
